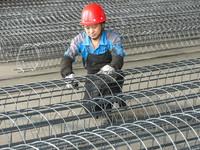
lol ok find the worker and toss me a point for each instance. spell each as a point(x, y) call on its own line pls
point(100, 49)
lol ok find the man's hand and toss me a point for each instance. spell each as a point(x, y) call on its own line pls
point(71, 76)
point(71, 84)
point(107, 69)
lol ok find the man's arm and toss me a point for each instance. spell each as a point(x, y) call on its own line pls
point(117, 54)
point(68, 58)
point(117, 62)
point(66, 66)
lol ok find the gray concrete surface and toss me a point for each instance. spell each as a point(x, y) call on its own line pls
point(8, 77)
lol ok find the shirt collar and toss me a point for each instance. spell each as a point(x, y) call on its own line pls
point(102, 41)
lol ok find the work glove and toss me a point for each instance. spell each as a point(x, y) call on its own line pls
point(107, 69)
point(71, 83)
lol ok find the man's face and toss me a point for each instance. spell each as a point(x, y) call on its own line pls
point(93, 31)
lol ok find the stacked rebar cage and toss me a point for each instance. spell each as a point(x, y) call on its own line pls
point(161, 111)
point(161, 108)
point(36, 33)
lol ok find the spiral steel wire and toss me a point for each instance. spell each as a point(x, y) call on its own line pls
point(25, 126)
point(177, 131)
point(146, 26)
point(46, 110)
point(30, 56)
point(142, 78)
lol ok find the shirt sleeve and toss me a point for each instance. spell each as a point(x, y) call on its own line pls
point(73, 49)
point(117, 48)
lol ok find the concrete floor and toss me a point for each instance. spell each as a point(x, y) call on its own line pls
point(8, 77)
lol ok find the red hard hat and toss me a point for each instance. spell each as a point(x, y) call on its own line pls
point(92, 14)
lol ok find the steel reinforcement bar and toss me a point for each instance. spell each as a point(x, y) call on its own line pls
point(144, 27)
point(58, 119)
point(177, 131)
point(142, 78)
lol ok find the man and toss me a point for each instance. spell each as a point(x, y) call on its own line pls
point(101, 50)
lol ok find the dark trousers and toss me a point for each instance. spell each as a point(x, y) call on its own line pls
point(96, 88)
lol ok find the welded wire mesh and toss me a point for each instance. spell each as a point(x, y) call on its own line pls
point(44, 110)
point(145, 26)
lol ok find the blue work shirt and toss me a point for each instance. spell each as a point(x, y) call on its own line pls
point(81, 44)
